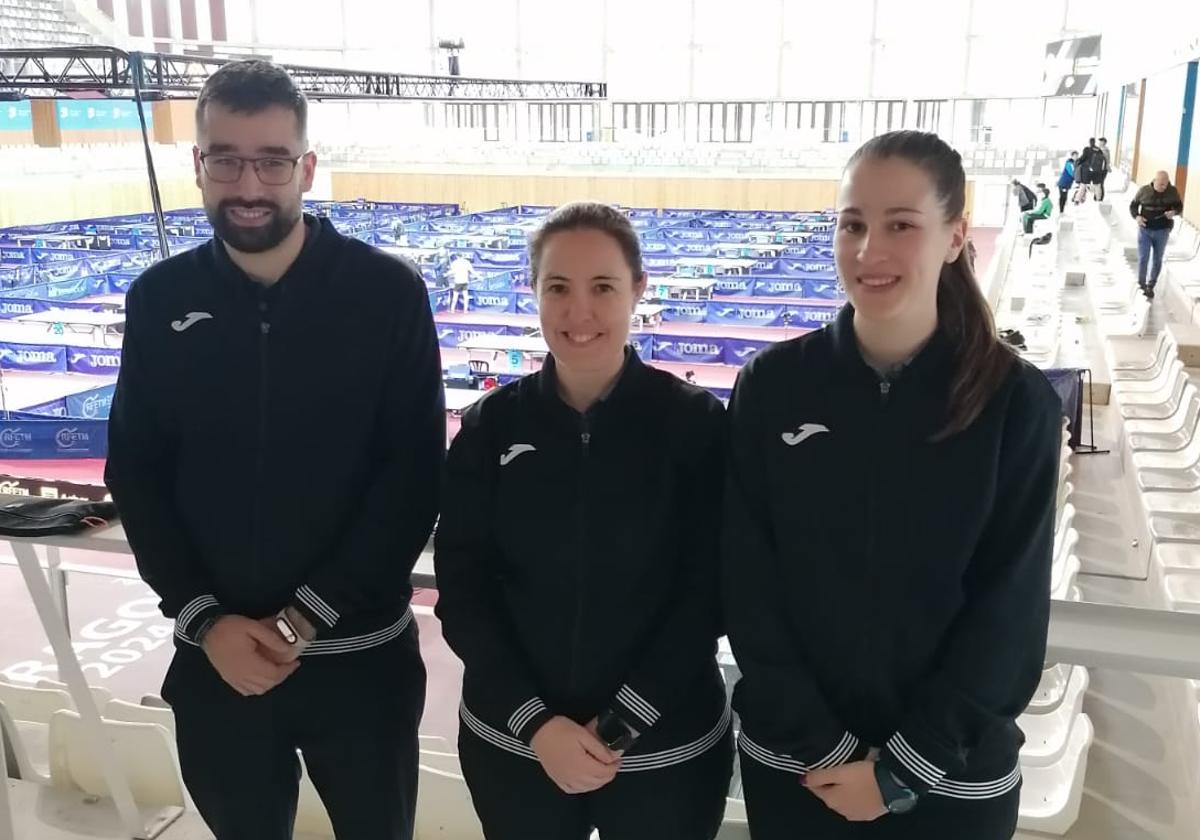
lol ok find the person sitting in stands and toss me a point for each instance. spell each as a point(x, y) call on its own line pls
point(1042, 211)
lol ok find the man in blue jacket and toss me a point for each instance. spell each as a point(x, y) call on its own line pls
point(281, 536)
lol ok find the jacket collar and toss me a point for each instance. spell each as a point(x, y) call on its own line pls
point(320, 237)
point(934, 361)
point(629, 382)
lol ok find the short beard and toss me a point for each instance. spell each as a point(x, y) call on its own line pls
point(252, 240)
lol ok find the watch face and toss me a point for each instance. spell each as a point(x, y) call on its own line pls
point(285, 629)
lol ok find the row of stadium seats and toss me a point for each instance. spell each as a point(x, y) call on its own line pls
point(829, 157)
point(1156, 398)
point(39, 23)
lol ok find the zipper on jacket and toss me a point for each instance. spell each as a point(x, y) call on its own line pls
point(585, 440)
point(264, 334)
point(885, 390)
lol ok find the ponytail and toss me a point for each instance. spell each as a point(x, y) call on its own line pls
point(982, 359)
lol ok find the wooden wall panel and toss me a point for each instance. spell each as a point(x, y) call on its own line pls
point(485, 192)
point(55, 198)
point(45, 123)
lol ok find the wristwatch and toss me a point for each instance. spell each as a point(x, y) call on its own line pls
point(293, 630)
point(615, 731)
point(898, 798)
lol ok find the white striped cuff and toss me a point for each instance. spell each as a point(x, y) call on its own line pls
point(645, 712)
point(526, 712)
point(838, 755)
point(913, 761)
point(191, 610)
point(317, 605)
point(979, 790)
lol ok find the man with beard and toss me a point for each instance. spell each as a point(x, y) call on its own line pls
point(275, 445)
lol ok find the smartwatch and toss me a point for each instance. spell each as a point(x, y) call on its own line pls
point(898, 798)
point(615, 732)
point(286, 627)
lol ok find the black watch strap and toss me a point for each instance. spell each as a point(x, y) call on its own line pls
point(616, 732)
point(898, 798)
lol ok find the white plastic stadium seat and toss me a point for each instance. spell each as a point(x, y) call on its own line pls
point(28, 711)
point(33, 705)
point(18, 760)
point(735, 825)
point(143, 752)
point(1046, 735)
point(137, 713)
point(312, 820)
point(1183, 590)
point(444, 807)
point(1050, 796)
point(99, 693)
point(1051, 688)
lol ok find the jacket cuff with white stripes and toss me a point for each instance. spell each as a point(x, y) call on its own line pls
point(315, 608)
point(194, 615)
point(845, 750)
point(528, 719)
point(912, 761)
point(634, 709)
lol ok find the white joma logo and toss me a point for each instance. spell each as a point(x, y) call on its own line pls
point(803, 433)
point(191, 319)
point(514, 451)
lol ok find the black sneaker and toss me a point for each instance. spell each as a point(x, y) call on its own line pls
point(1149, 293)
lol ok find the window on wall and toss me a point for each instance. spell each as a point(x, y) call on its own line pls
point(729, 122)
point(649, 119)
point(833, 117)
point(561, 122)
point(491, 121)
point(486, 117)
point(980, 131)
point(817, 122)
point(883, 116)
point(929, 115)
point(814, 121)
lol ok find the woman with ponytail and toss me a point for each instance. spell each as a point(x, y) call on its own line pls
point(888, 533)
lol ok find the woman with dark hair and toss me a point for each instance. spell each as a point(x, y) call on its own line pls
point(578, 564)
point(888, 532)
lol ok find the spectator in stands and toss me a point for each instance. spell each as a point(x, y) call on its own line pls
point(461, 273)
point(1086, 169)
point(888, 533)
point(1065, 180)
point(1042, 211)
point(1103, 166)
point(267, 557)
point(591, 694)
point(1026, 200)
point(1154, 207)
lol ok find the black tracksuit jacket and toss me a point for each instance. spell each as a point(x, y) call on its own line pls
point(577, 562)
point(882, 590)
point(322, 395)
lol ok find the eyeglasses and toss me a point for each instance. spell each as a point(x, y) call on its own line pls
point(271, 171)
